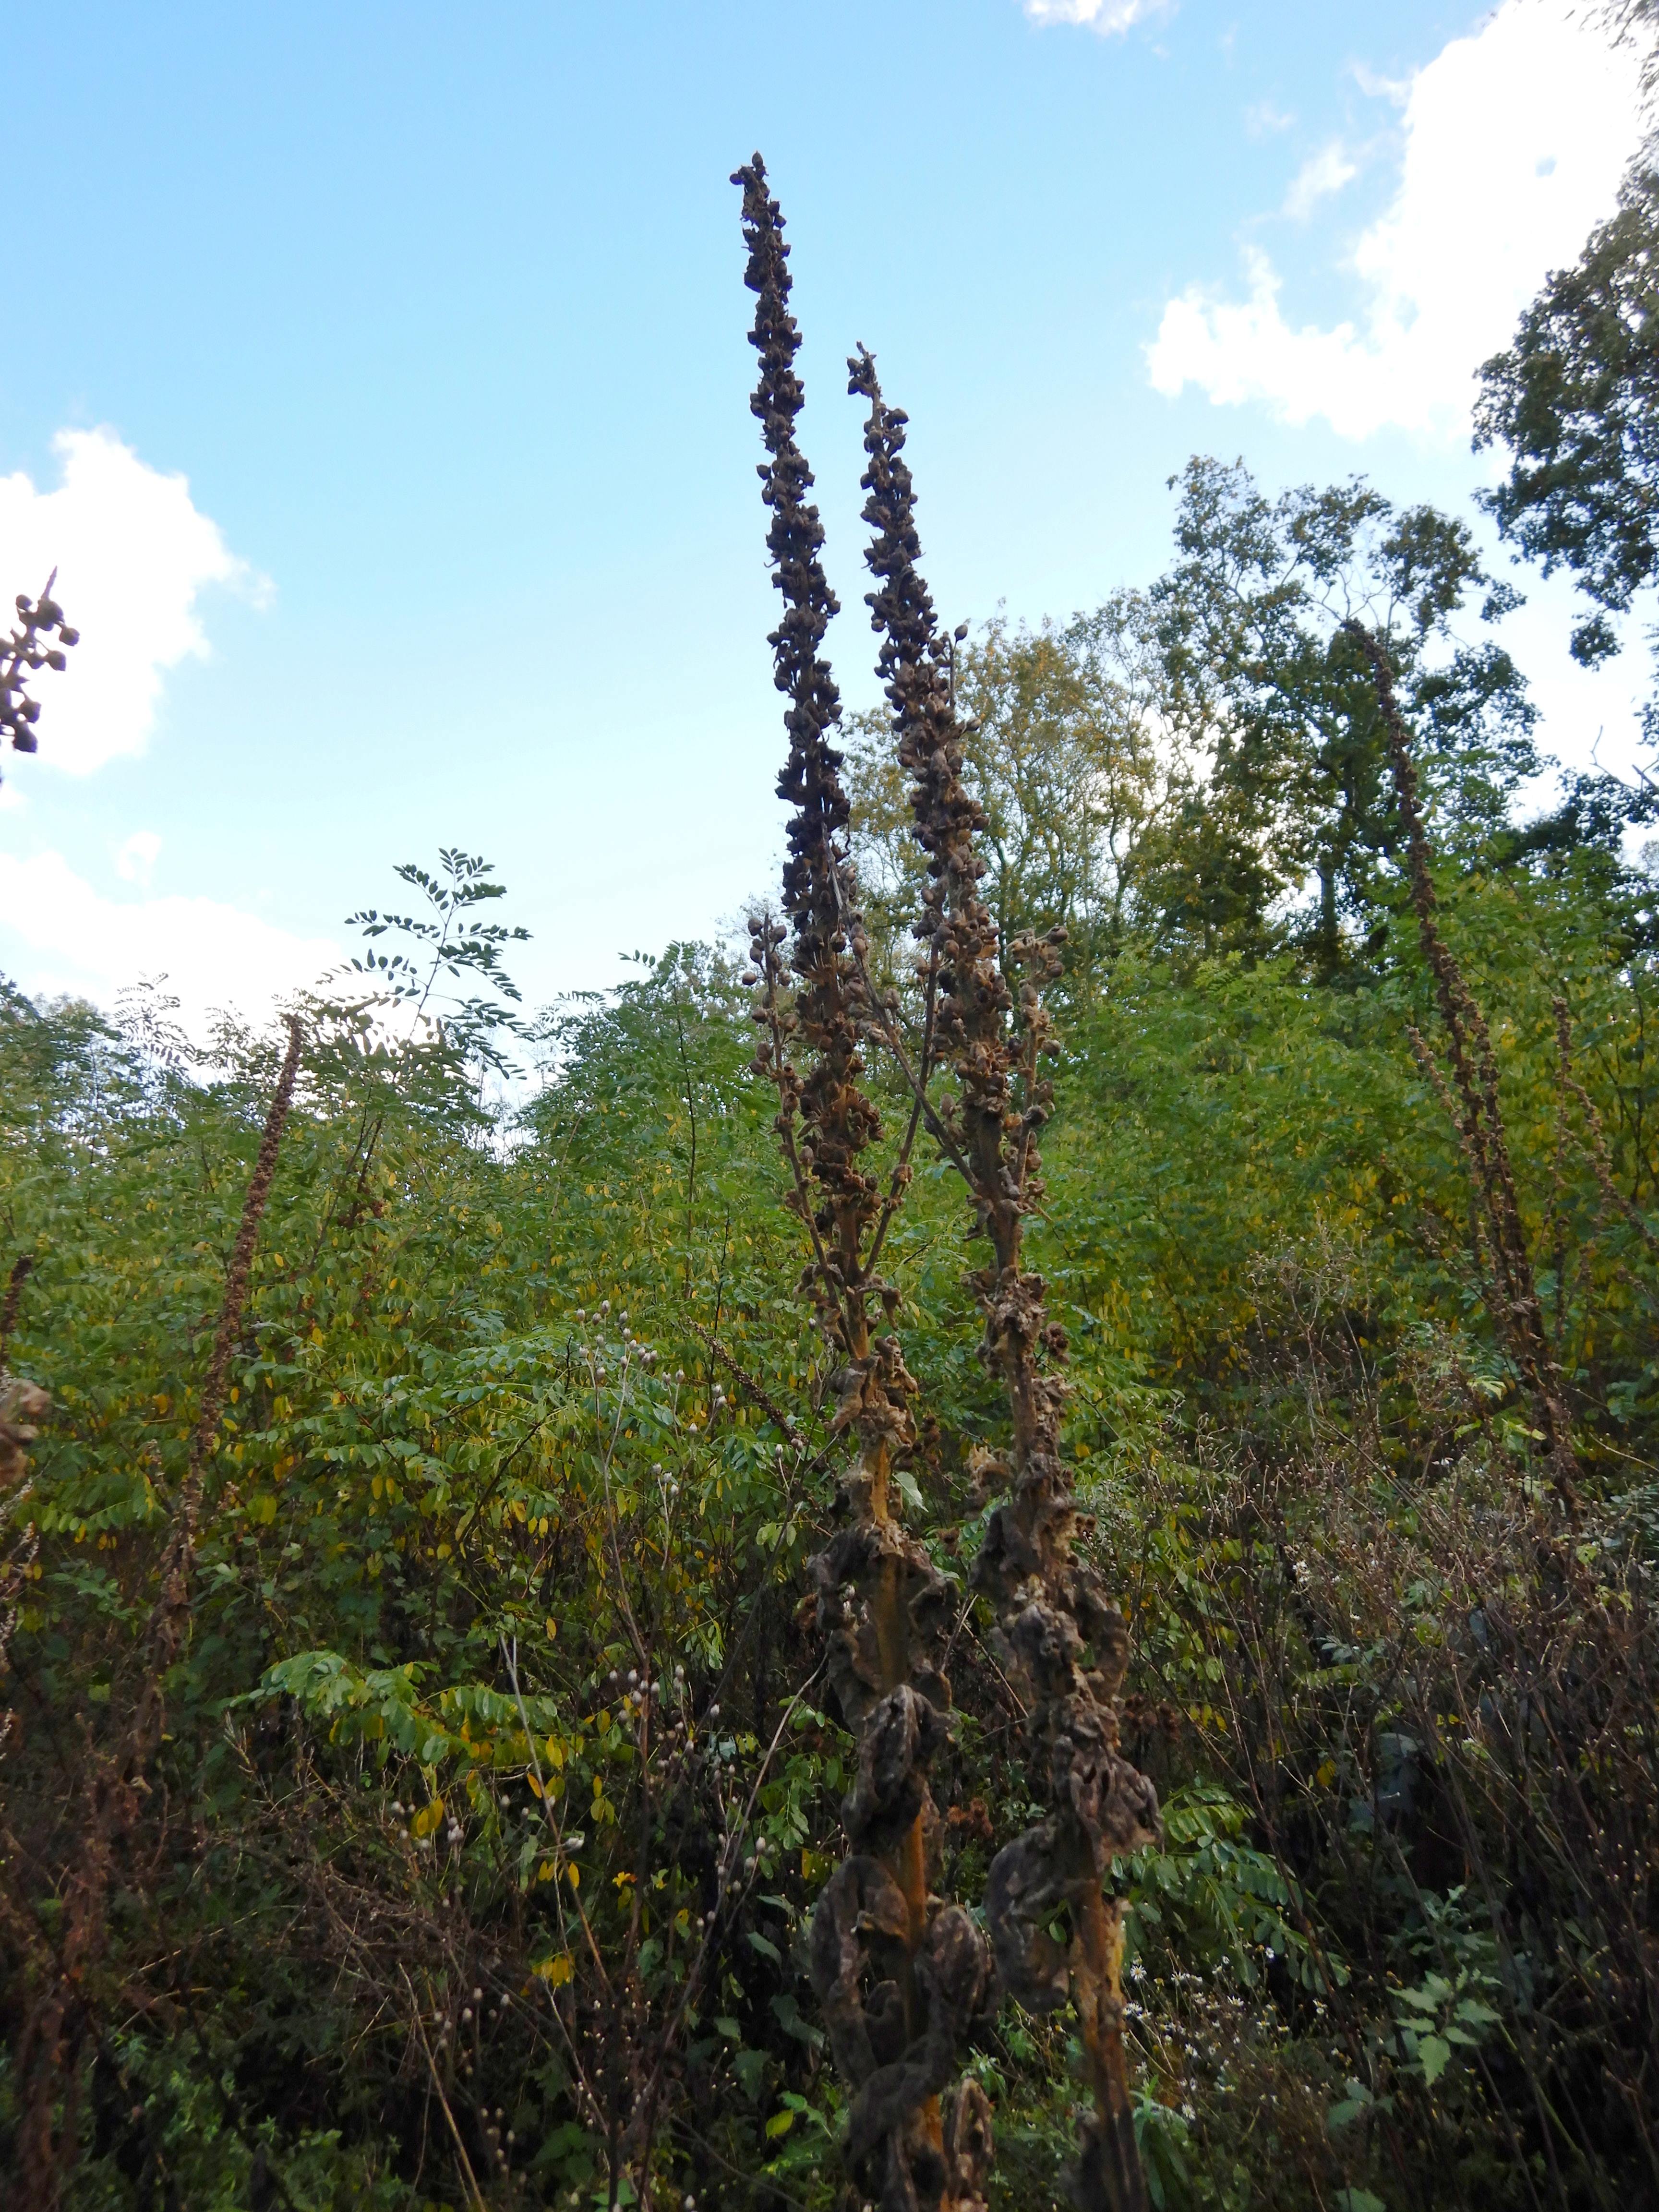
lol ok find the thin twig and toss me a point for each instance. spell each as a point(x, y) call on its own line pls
point(437, 2083)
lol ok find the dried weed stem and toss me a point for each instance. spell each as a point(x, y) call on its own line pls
point(1059, 1642)
point(899, 1976)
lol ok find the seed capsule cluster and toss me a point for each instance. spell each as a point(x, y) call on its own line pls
point(40, 639)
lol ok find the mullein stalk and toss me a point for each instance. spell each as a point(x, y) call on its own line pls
point(61, 2020)
point(22, 1403)
point(1471, 1100)
point(1062, 1644)
point(899, 1977)
point(39, 640)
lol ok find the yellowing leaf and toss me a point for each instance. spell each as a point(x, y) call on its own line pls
point(556, 1972)
point(427, 1819)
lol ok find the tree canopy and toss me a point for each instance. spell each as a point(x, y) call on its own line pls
point(1576, 401)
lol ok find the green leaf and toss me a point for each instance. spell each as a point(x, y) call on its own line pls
point(750, 2066)
point(1433, 2055)
point(788, 2014)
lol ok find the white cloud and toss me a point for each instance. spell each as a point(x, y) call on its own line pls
point(1375, 87)
point(73, 939)
point(132, 552)
point(136, 857)
point(1320, 176)
point(1265, 117)
point(1515, 140)
point(1105, 16)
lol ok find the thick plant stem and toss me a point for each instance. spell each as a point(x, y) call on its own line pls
point(1062, 1645)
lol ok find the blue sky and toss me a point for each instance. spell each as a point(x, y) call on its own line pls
point(439, 315)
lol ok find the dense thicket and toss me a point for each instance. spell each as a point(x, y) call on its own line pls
point(465, 1848)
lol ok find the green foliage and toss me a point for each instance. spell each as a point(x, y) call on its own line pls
point(499, 1780)
point(1199, 769)
point(447, 943)
point(1061, 752)
point(1574, 400)
point(1213, 1901)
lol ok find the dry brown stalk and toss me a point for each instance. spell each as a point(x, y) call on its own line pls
point(899, 1976)
point(62, 2017)
point(1600, 1157)
point(23, 1406)
point(1062, 1644)
point(1472, 1102)
point(29, 647)
point(22, 1268)
point(437, 2079)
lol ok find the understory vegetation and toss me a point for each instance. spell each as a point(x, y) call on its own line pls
point(423, 1753)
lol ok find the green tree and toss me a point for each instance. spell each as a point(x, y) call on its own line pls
point(1059, 749)
point(1575, 400)
point(1199, 767)
point(1278, 821)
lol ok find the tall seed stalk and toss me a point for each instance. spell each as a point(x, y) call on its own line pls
point(1062, 1644)
point(61, 2010)
point(899, 1977)
point(1472, 1103)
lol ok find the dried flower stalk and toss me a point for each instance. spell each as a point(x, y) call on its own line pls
point(900, 1977)
point(1471, 1100)
point(1613, 1198)
point(29, 647)
point(22, 1404)
point(61, 2018)
point(1062, 1644)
